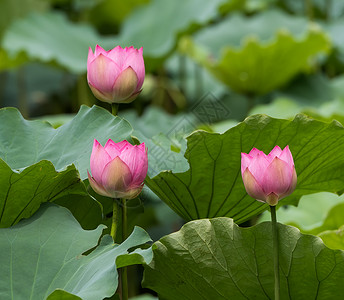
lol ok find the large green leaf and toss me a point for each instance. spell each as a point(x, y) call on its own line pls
point(22, 193)
point(234, 29)
point(170, 19)
point(216, 259)
point(61, 40)
point(45, 253)
point(255, 66)
point(23, 143)
point(213, 187)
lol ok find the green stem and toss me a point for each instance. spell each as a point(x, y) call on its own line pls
point(124, 219)
point(124, 236)
point(114, 219)
point(114, 108)
point(275, 249)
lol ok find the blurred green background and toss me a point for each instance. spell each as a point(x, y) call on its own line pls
point(278, 57)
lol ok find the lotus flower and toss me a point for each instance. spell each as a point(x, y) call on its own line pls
point(118, 169)
point(117, 75)
point(269, 178)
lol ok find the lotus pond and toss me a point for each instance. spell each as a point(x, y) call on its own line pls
point(157, 149)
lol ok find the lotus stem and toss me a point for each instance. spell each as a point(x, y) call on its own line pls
point(124, 271)
point(114, 219)
point(114, 108)
point(275, 250)
point(123, 280)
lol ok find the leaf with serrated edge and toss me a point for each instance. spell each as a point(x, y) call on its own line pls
point(266, 48)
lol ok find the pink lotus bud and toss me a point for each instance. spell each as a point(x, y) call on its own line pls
point(117, 75)
point(118, 169)
point(268, 178)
